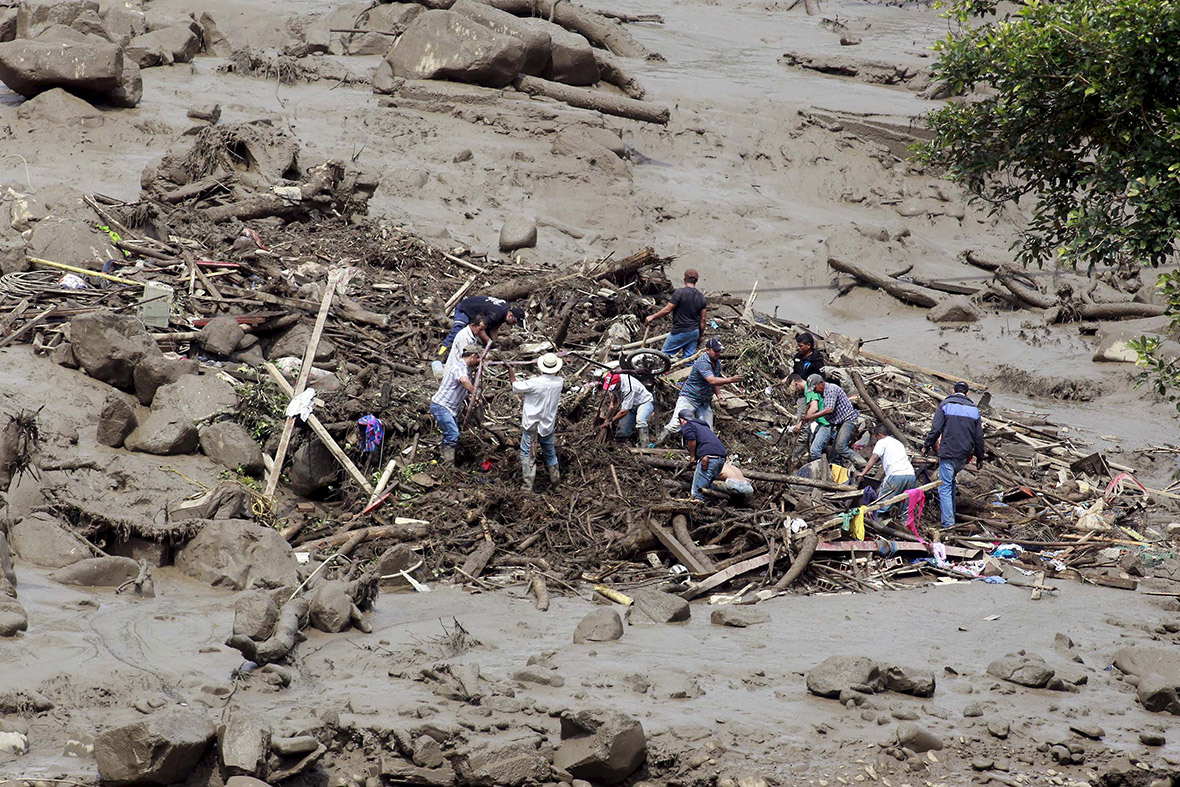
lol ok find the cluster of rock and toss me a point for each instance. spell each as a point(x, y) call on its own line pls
point(849, 678)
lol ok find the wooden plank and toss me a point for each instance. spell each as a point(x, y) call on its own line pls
point(28, 326)
point(721, 577)
point(1122, 583)
point(902, 546)
point(682, 555)
point(1038, 586)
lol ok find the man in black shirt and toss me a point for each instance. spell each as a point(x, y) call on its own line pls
point(496, 310)
point(808, 360)
point(687, 307)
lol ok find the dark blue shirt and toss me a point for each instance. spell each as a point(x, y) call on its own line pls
point(707, 442)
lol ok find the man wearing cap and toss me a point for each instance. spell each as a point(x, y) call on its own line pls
point(842, 418)
point(704, 450)
point(452, 393)
point(895, 465)
point(497, 311)
point(957, 430)
point(635, 406)
point(689, 314)
point(539, 417)
point(475, 334)
point(696, 393)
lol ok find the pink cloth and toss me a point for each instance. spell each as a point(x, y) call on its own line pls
point(917, 499)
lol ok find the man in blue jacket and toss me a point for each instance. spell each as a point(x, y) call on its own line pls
point(957, 430)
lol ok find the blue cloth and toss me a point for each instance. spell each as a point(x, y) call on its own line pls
point(894, 485)
point(703, 412)
point(707, 442)
point(461, 322)
point(447, 423)
point(696, 387)
point(684, 343)
point(374, 433)
point(548, 446)
point(819, 441)
point(703, 478)
point(637, 417)
point(947, 470)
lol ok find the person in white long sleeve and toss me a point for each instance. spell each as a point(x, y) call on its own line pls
point(538, 419)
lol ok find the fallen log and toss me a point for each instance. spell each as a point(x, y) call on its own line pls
point(400, 530)
point(903, 291)
point(612, 71)
point(477, 561)
point(292, 618)
point(516, 289)
point(680, 529)
point(878, 413)
point(756, 475)
point(597, 29)
point(606, 103)
point(808, 543)
point(679, 551)
point(631, 18)
point(1023, 292)
point(540, 592)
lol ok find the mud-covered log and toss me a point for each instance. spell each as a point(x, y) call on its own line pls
point(1023, 292)
point(477, 561)
point(871, 402)
point(606, 103)
point(402, 530)
point(808, 542)
point(680, 530)
point(516, 289)
point(612, 71)
point(292, 618)
point(1120, 311)
point(903, 291)
point(597, 29)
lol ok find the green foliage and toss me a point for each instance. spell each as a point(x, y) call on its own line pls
point(263, 408)
point(1161, 374)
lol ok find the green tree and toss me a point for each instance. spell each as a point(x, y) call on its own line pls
point(1081, 117)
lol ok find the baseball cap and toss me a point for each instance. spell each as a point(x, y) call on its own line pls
point(714, 344)
point(961, 387)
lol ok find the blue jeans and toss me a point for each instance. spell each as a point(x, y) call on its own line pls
point(704, 412)
point(844, 453)
point(947, 470)
point(548, 446)
point(461, 322)
point(820, 440)
point(637, 417)
point(685, 343)
point(446, 422)
point(704, 478)
point(894, 485)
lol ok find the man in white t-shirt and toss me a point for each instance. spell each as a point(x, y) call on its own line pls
point(895, 464)
point(538, 418)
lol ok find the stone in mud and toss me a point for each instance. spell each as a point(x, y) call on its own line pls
point(116, 420)
point(165, 432)
point(511, 764)
point(12, 256)
point(108, 346)
point(210, 113)
point(427, 752)
point(155, 371)
point(571, 58)
point(909, 680)
point(1159, 693)
point(71, 239)
point(7, 571)
point(539, 677)
point(243, 743)
point(446, 45)
point(93, 70)
point(162, 748)
point(35, 16)
point(313, 468)
point(654, 606)
point(598, 146)
point(331, 607)
point(601, 625)
point(98, 572)
point(43, 540)
point(397, 559)
point(1023, 669)
point(216, 43)
point(601, 746)
point(236, 554)
point(675, 685)
point(836, 674)
point(956, 308)
point(518, 233)
point(917, 739)
point(123, 23)
point(292, 343)
point(737, 617)
point(255, 614)
point(221, 335)
point(63, 355)
point(13, 618)
point(230, 445)
point(384, 17)
point(179, 43)
point(59, 107)
point(245, 781)
point(536, 41)
point(200, 398)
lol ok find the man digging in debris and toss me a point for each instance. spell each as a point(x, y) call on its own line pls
point(539, 417)
point(452, 393)
point(809, 404)
point(635, 407)
point(689, 314)
point(895, 464)
point(696, 393)
point(957, 429)
point(704, 450)
point(497, 311)
point(842, 422)
point(474, 334)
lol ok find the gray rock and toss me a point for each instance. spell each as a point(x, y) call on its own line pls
point(518, 233)
point(387, 16)
point(1023, 669)
point(536, 41)
point(601, 746)
point(675, 684)
point(63, 355)
point(13, 618)
point(97, 572)
point(331, 607)
point(836, 674)
point(909, 680)
point(230, 445)
point(156, 370)
point(35, 16)
point(427, 752)
point(216, 43)
point(539, 677)
point(130, 90)
point(1152, 738)
point(396, 559)
point(221, 335)
point(210, 113)
point(737, 617)
point(571, 58)
point(1159, 693)
point(236, 554)
point(255, 614)
point(123, 23)
point(294, 745)
point(162, 748)
point(243, 743)
point(59, 107)
point(446, 45)
point(601, 625)
point(165, 432)
point(1092, 731)
point(245, 781)
point(109, 346)
point(598, 146)
point(313, 468)
point(911, 736)
point(292, 343)
point(956, 308)
point(654, 606)
point(93, 70)
point(43, 540)
point(7, 571)
point(12, 256)
point(200, 398)
point(999, 729)
point(510, 764)
point(117, 420)
point(973, 710)
point(1113, 347)
point(179, 43)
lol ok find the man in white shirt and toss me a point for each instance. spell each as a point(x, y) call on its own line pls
point(476, 333)
point(635, 407)
point(895, 464)
point(539, 417)
point(449, 398)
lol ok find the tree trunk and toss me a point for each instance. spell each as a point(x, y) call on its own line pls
point(806, 550)
point(516, 289)
point(903, 291)
point(597, 29)
point(612, 71)
point(606, 103)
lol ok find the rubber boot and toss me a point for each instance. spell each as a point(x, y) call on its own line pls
point(448, 455)
point(663, 438)
point(642, 437)
point(554, 475)
point(530, 474)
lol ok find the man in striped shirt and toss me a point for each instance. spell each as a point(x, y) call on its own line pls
point(842, 418)
point(448, 400)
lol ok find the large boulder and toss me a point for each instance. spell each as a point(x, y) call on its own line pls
point(92, 70)
point(243, 743)
point(130, 90)
point(1158, 671)
point(504, 764)
point(165, 432)
point(255, 614)
point(98, 572)
point(59, 107)
point(109, 346)
point(239, 555)
point(601, 746)
point(177, 44)
point(909, 680)
point(837, 674)
point(35, 16)
point(117, 419)
point(447, 45)
point(221, 335)
point(331, 607)
point(13, 618)
point(292, 343)
point(535, 40)
point(200, 398)
point(1024, 669)
point(571, 58)
point(162, 748)
point(738, 617)
point(231, 446)
point(518, 232)
point(917, 739)
point(43, 540)
point(601, 625)
point(156, 370)
point(655, 606)
point(313, 468)
point(384, 17)
point(74, 239)
point(956, 308)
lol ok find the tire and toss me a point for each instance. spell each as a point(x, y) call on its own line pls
point(648, 361)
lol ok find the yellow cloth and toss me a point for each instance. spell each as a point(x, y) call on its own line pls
point(858, 525)
point(839, 474)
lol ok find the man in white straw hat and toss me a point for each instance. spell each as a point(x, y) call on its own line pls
point(539, 417)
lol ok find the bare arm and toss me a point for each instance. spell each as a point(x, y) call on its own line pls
point(661, 313)
point(819, 414)
point(716, 381)
point(704, 319)
point(466, 383)
point(692, 450)
point(869, 465)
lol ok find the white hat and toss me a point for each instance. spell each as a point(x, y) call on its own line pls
point(549, 363)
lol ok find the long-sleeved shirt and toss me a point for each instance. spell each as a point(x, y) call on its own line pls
point(451, 394)
point(541, 395)
point(958, 423)
point(805, 367)
point(632, 393)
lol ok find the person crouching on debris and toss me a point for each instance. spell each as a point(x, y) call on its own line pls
point(843, 417)
point(636, 406)
point(704, 450)
point(539, 417)
point(448, 400)
point(496, 312)
point(957, 429)
point(741, 491)
point(895, 464)
point(474, 334)
point(696, 393)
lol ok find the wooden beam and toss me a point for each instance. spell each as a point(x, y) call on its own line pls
point(721, 577)
point(682, 555)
